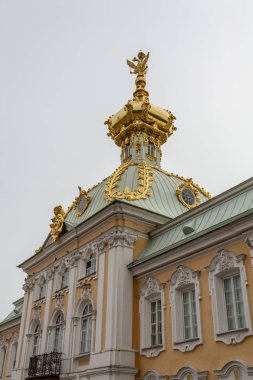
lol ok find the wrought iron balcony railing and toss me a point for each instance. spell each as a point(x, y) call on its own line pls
point(45, 365)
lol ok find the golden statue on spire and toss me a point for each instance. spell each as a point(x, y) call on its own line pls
point(141, 67)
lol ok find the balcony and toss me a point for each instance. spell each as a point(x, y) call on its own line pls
point(45, 366)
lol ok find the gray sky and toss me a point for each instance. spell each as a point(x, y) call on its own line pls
point(63, 72)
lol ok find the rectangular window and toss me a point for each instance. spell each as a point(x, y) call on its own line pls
point(64, 280)
point(151, 149)
point(91, 266)
point(190, 315)
point(156, 323)
point(127, 151)
point(85, 344)
point(42, 291)
point(234, 303)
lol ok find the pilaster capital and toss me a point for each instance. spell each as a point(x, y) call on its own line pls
point(50, 274)
point(28, 285)
point(101, 243)
point(122, 239)
point(249, 241)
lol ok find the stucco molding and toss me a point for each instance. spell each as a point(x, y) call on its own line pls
point(152, 290)
point(184, 279)
point(121, 238)
point(232, 366)
point(224, 265)
point(194, 374)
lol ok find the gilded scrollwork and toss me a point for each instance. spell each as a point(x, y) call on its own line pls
point(81, 202)
point(189, 186)
point(58, 222)
point(145, 178)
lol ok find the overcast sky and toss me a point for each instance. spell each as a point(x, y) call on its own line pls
point(63, 72)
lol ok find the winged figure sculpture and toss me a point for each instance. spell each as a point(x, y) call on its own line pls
point(139, 64)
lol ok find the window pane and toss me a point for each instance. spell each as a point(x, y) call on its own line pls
point(189, 314)
point(234, 302)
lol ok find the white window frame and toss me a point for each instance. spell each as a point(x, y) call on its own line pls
point(87, 254)
point(58, 326)
point(184, 280)
point(87, 316)
point(227, 264)
point(84, 300)
point(244, 372)
point(151, 291)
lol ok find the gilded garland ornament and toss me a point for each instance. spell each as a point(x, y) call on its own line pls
point(187, 194)
point(58, 222)
point(145, 178)
point(81, 202)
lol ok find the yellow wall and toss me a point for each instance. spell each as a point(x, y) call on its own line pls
point(210, 355)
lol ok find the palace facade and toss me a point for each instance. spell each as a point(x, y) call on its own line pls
point(144, 276)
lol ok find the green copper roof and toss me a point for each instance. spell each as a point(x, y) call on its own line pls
point(162, 200)
point(202, 223)
point(15, 313)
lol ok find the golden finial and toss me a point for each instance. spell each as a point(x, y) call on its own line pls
point(139, 66)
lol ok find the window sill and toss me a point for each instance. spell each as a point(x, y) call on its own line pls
point(187, 340)
point(84, 355)
point(233, 331)
point(153, 351)
point(89, 275)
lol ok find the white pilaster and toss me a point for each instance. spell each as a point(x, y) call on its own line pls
point(50, 275)
point(119, 292)
point(21, 331)
point(100, 296)
point(68, 336)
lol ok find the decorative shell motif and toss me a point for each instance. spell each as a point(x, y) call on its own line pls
point(145, 178)
point(58, 222)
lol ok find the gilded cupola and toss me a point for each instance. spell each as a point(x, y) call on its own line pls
point(140, 128)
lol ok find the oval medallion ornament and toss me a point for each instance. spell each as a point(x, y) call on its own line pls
point(187, 194)
point(81, 202)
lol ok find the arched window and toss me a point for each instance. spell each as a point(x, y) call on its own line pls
point(36, 338)
point(58, 333)
point(235, 370)
point(86, 329)
point(91, 265)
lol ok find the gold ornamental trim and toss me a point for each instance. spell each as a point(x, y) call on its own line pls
point(188, 185)
point(145, 178)
point(201, 189)
point(58, 222)
point(82, 193)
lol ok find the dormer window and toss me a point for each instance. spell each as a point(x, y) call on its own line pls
point(127, 151)
point(151, 149)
